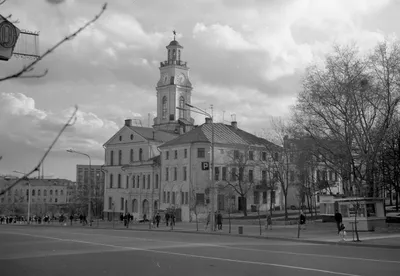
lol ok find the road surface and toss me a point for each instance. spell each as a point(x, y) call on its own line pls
point(57, 251)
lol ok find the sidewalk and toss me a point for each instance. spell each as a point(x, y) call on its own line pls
point(316, 232)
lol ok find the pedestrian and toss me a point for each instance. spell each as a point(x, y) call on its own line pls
point(71, 217)
point(167, 218)
point(219, 220)
point(342, 232)
point(172, 219)
point(158, 218)
point(207, 220)
point(268, 222)
point(339, 220)
point(302, 220)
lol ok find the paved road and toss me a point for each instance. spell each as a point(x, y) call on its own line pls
point(26, 250)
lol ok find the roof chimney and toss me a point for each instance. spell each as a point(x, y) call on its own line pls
point(208, 120)
point(234, 124)
point(128, 122)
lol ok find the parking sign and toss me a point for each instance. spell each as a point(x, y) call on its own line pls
point(205, 166)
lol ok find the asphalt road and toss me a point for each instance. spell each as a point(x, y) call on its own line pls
point(57, 251)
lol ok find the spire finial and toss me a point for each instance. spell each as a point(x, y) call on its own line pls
point(174, 34)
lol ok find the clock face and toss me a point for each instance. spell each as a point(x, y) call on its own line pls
point(181, 78)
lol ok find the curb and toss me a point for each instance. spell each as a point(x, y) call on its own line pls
point(340, 243)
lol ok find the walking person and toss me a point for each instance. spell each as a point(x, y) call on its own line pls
point(219, 220)
point(342, 232)
point(167, 218)
point(71, 217)
point(268, 223)
point(339, 220)
point(207, 221)
point(158, 218)
point(302, 220)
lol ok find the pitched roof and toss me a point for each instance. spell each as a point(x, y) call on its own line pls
point(159, 135)
point(223, 134)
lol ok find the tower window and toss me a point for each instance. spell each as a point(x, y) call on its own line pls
point(181, 105)
point(164, 107)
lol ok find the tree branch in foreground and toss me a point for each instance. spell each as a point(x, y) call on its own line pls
point(70, 122)
point(30, 66)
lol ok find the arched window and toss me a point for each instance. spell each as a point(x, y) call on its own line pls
point(56, 192)
point(131, 155)
point(38, 192)
point(140, 154)
point(45, 192)
point(164, 107)
point(111, 180)
point(174, 54)
point(179, 54)
point(51, 192)
point(181, 105)
point(112, 158)
point(119, 157)
point(33, 192)
point(62, 192)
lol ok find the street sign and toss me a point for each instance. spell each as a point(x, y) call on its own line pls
point(205, 166)
point(8, 38)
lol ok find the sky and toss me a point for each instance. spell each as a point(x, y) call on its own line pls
point(246, 58)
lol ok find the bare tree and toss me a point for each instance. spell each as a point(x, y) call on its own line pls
point(194, 207)
point(240, 174)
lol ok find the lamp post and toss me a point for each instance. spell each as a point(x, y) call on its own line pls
point(90, 184)
point(210, 116)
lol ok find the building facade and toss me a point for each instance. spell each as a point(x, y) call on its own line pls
point(48, 196)
point(132, 171)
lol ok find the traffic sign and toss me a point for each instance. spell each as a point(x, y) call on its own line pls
point(205, 166)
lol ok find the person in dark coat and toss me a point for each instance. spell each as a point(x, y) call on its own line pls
point(167, 218)
point(302, 220)
point(339, 220)
point(158, 218)
point(71, 217)
point(219, 221)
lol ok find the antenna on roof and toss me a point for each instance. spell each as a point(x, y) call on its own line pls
point(148, 124)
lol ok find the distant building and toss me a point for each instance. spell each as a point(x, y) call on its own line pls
point(48, 196)
point(83, 179)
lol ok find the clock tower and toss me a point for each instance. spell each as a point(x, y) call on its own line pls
point(173, 90)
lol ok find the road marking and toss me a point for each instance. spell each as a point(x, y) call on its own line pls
point(195, 256)
point(227, 245)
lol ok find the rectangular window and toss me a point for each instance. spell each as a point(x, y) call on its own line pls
point(216, 173)
point(201, 152)
point(119, 181)
point(156, 181)
point(251, 155)
point(165, 197)
point(166, 174)
point(263, 176)
point(122, 203)
point(199, 199)
point(235, 154)
point(330, 175)
point(127, 181)
point(176, 154)
point(168, 197)
point(223, 173)
point(276, 156)
point(241, 173)
point(256, 196)
point(185, 153)
point(148, 182)
point(166, 155)
point(186, 197)
point(273, 197)
point(233, 174)
point(109, 203)
point(144, 182)
point(173, 197)
point(264, 197)
point(318, 175)
point(175, 173)
point(133, 181)
point(251, 176)
point(138, 182)
point(38, 192)
point(264, 156)
point(184, 173)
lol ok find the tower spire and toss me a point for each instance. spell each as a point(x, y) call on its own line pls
point(174, 34)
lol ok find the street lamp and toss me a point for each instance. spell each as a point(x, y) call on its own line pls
point(211, 116)
point(29, 194)
point(90, 184)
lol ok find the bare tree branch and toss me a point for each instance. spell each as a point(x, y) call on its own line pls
point(70, 122)
point(30, 66)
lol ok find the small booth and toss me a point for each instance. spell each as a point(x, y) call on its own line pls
point(370, 211)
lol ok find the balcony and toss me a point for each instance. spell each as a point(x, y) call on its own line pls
point(174, 62)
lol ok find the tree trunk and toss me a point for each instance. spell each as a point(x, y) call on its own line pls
point(259, 218)
point(229, 218)
point(197, 222)
point(286, 212)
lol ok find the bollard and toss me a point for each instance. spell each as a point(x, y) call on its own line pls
point(240, 230)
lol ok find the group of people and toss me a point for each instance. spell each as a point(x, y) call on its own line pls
point(217, 220)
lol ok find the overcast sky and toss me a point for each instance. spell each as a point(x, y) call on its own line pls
point(245, 57)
